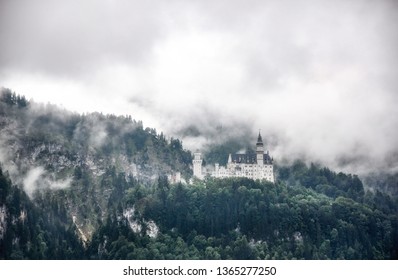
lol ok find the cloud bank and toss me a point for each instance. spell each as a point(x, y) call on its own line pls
point(317, 77)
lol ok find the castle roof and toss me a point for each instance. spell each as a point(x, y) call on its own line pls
point(250, 158)
point(244, 158)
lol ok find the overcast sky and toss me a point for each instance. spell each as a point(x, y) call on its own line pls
point(319, 78)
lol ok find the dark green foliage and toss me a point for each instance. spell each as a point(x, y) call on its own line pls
point(92, 152)
point(219, 153)
point(244, 219)
point(30, 232)
point(322, 179)
point(12, 99)
point(384, 182)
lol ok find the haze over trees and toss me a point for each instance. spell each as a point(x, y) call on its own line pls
point(94, 186)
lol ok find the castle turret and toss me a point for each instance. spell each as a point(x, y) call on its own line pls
point(197, 165)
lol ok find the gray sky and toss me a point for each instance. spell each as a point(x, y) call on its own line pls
point(318, 78)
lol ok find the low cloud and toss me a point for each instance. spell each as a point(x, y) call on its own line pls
point(38, 178)
point(317, 77)
point(33, 179)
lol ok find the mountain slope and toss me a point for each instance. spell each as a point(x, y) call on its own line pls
point(95, 187)
point(28, 231)
point(80, 158)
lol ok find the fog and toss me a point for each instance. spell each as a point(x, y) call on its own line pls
point(317, 77)
point(37, 178)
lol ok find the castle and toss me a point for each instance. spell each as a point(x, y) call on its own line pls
point(258, 165)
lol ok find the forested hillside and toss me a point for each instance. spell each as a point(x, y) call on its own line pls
point(95, 187)
point(29, 231)
point(244, 219)
point(80, 162)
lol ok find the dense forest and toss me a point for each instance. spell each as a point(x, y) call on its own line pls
point(216, 219)
point(323, 216)
point(68, 191)
point(29, 231)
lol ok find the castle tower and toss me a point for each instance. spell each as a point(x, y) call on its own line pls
point(260, 150)
point(197, 165)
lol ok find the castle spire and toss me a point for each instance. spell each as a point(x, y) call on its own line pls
point(260, 150)
point(259, 139)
